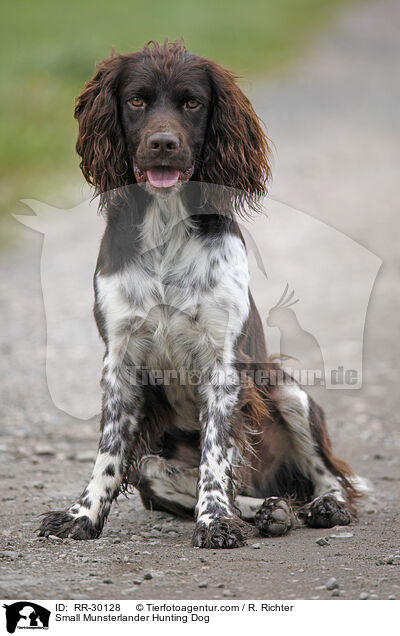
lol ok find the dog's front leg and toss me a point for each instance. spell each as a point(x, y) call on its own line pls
point(217, 523)
point(121, 409)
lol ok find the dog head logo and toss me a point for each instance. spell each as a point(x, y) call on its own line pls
point(26, 615)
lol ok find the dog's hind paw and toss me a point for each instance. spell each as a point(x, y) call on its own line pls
point(325, 512)
point(220, 533)
point(274, 518)
point(61, 523)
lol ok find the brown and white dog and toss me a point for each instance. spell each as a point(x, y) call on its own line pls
point(176, 152)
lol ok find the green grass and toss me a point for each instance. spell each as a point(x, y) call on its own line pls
point(48, 51)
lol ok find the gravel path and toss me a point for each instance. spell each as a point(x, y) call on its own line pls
point(334, 122)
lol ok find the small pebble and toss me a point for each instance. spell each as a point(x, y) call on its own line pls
point(203, 584)
point(364, 596)
point(393, 560)
point(9, 554)
point(256, 546)
point(323, 541)
point(332, 584)
point(43, 449)
point(108, 581)
point(148, 576)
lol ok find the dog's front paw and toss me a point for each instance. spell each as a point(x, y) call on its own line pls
point(274, 517)
point(325, 512)
point(220, 533)
point(61, 523)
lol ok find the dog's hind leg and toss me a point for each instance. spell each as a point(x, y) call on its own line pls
point(248, 506)
point(312, 455)
point(167, 486)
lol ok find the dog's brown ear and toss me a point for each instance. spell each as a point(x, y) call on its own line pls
point(236, 152)
point(101, 144)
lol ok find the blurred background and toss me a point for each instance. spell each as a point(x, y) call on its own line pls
point(49, 51)
point(324, 76)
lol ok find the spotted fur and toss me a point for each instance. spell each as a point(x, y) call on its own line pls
point(171, 296)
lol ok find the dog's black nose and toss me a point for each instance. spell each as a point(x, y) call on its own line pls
point(163, 142)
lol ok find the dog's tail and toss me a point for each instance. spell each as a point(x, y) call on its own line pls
point(354, 486)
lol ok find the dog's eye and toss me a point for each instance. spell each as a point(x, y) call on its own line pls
point(191, 104)
point(136, 102)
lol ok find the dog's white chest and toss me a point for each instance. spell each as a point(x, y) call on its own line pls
point(182, 301)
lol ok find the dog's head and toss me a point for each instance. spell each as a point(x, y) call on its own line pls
point(162, 116)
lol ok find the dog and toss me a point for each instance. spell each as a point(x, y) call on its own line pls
point(177, 154)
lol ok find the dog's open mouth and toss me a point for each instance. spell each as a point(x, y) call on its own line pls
point(162, 178)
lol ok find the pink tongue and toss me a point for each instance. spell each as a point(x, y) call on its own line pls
point(163, 177)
